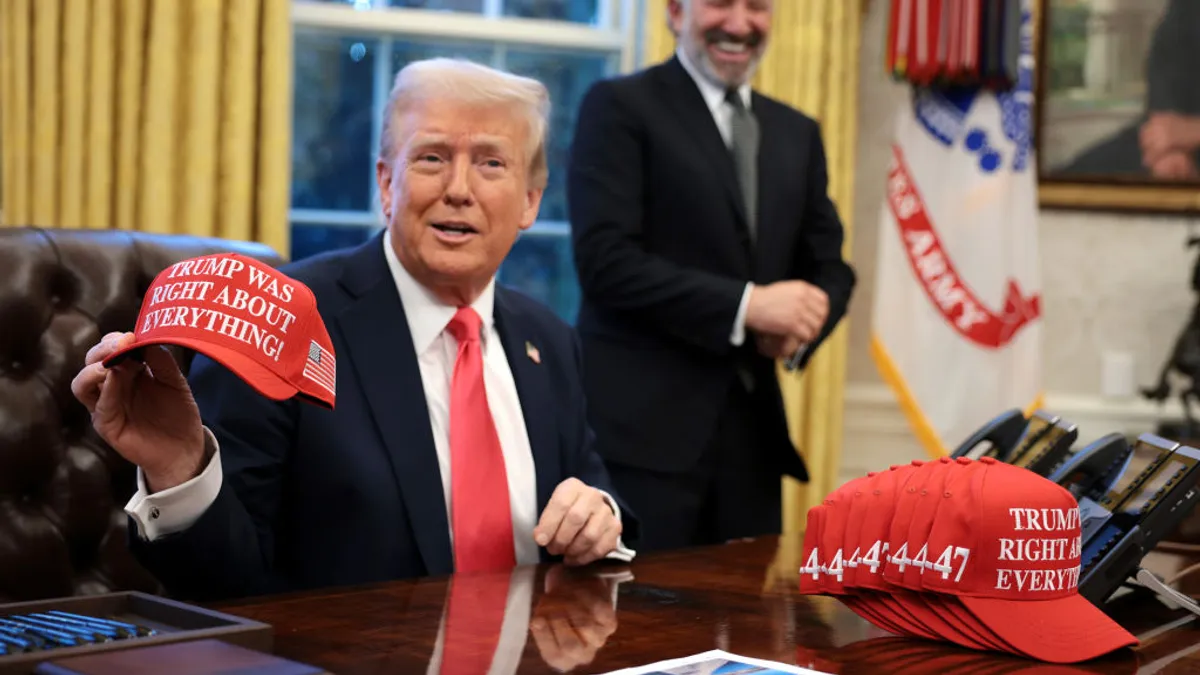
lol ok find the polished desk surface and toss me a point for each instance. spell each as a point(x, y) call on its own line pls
point(740, 597)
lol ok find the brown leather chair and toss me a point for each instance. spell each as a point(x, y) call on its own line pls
point(62, 489)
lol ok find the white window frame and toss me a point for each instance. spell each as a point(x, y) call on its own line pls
point(616, 33)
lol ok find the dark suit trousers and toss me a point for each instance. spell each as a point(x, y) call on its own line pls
point(734, 490)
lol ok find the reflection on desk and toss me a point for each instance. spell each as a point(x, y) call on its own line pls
point(740, 597)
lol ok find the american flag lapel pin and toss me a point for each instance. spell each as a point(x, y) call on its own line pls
point(533, 353)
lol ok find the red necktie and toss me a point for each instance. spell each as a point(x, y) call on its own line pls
point(474, 620)
point(481, 515)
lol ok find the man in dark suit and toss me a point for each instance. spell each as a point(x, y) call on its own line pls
point(706, 247)
point(459, 415)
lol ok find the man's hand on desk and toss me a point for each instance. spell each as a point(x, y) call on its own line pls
point(578, 524)
point(144, 410)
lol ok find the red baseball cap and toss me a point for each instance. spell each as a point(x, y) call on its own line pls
point(810, 570)
point(874, 541)
point(946, 607)
point(909, 555)
point(1010, 540)
point(838, 552)
point(857, 599)
point(257, 322)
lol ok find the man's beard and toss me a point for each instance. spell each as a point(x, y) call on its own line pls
point(715, 36)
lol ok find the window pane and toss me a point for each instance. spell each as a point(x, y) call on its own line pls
point(311, 239)
point(568, 77)
point(333, 164)
point(446, 5)
point(581, 11)
point(539, 265)
point(542, 267)
point(404, 53)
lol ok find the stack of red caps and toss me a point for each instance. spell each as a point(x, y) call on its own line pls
point(979, 553)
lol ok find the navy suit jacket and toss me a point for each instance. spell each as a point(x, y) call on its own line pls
point(315, 498)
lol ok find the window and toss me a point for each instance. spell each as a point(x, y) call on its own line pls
point(346, 55)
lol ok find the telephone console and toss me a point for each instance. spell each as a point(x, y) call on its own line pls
point(1093, 469)
point(1155, 490)
point(1129, 497)
point(1047, 441)
point(1000, 434)
point(1038, 443)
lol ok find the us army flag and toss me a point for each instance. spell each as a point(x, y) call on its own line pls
point(956, 322)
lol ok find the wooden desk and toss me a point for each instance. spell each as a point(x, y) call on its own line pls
point(740, 597)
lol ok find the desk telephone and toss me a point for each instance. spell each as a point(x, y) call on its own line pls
point(1000, 436)
point(1129, 497)
point(1039, 443)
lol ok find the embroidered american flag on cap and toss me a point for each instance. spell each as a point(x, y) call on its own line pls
point(321, 367)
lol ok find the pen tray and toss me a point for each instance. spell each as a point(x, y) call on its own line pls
point(173, 621)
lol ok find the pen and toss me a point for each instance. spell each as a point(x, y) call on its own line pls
point(14, 643)
point(90, 633)
point(794, 362)
point(28, 629)
point(112, 632)
point(133, 628)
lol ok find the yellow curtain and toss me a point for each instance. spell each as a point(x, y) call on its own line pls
point(812, 65)
point(169, 116)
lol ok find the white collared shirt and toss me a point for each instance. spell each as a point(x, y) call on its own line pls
point(175, 509)
point(714, 95)
point(722, 112)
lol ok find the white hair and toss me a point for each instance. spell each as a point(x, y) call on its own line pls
point(470, 83)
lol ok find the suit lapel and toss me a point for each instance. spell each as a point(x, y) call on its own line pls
point(690, 107)
point(534, 391)
point(380, 349)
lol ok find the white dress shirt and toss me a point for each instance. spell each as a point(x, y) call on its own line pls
point(722, 112)
point(436, 349)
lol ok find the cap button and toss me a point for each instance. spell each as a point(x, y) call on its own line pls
point(964, 460)
point(988, 460)
point(917, 462)
point(944, 460)
point(872, 474)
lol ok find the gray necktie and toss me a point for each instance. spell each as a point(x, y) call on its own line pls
point(745, 155)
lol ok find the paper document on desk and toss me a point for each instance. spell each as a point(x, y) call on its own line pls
point(717, 662)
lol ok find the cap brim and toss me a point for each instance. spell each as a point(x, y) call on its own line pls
point(887, 606)
point(248, 370)
point(1064, 630)
point(926, 610)
point(864, 608)
point(951, 607)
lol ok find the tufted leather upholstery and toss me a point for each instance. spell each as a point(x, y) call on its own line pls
point(62, 489)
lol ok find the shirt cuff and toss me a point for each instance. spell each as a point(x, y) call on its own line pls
point(738, 336)
point(621, 552)
point(176, 509)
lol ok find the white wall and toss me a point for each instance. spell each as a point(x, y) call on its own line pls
point(1111, 283)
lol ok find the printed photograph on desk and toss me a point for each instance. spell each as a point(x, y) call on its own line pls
point(717, 662)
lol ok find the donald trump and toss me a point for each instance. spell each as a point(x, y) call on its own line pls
point(459, 440)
